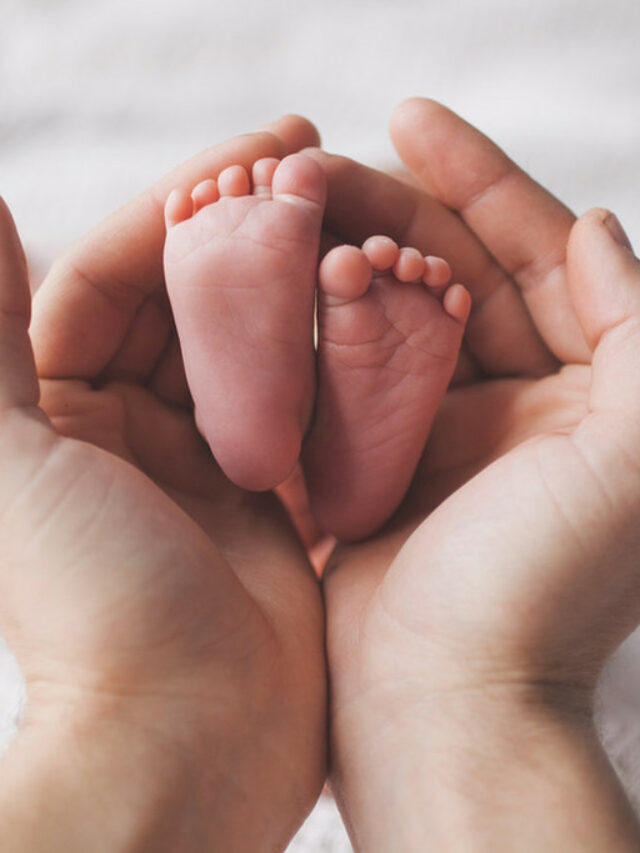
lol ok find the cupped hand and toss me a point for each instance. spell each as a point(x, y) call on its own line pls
point(139, 587)
point(511, 567)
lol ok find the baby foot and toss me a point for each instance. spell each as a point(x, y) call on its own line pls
point(241, 275)
point(390, 330)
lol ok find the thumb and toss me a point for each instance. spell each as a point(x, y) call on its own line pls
point(604, 281)
point(18, 380)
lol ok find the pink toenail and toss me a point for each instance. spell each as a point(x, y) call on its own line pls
point(382, 252)
point(234, 181)
point(345, 273)
point(409, 266)
point(457, 302)
point(263, 171)
point(437, 272)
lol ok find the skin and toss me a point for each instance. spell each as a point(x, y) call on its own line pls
point(241, 271)
point(387, 349)
point(241, 278)
point(475, 623)
point(173, 648)
point(466, 638)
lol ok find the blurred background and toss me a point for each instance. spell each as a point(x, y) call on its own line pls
point(98, 99)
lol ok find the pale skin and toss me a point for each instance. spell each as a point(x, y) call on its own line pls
point(423, 733)
point(241, 265)
point(169, 626)
point(465, 640)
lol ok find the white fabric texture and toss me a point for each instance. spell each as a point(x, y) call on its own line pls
point(98, 99)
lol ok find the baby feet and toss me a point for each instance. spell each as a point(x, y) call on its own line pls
point(390, 331)
point(241, 265)
point(241, 260)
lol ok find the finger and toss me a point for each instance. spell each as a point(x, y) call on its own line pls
point(295, 133)
point(18, 380)
point(500, 335)
point(168, 381)
point(87, 303)
point(467, 370)
point(523, 226)
point(604, 281)
point(143, 343)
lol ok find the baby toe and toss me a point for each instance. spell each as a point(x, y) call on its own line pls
point(262, 175)
point(437, 272)
point(344, 274)
point(178, 207)
point(206, 192)
point(457, 303)
point(381, 251)
point(234, 181)
point(299, 179)
point(409, 265)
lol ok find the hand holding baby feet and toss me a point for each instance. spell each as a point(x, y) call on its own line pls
point(390, 330)
point(240, 260)
point(241, 273)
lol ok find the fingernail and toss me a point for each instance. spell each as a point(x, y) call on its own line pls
point(617, 231)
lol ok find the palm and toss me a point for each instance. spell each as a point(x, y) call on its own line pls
point(129, 397)
point(510, 512)
point(480, 423)
point(498, 428)
point(157, 475)
point(166, 587)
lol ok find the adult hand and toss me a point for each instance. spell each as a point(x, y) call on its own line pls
point(168, 625)
point(465, 639)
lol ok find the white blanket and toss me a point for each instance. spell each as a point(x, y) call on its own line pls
point(97, 99)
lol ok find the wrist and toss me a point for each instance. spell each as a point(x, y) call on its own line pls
point(88, 782)
point(119, 775)
point(500, 768)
